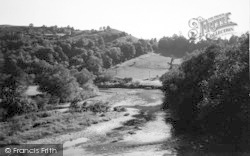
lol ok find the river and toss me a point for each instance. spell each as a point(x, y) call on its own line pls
point(141, 131)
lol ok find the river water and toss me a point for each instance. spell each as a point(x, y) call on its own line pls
point(139, 131)
point(143, 131)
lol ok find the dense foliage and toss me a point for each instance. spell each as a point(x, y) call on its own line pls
point(209, 92)
point(179, 46)
point(63, 62)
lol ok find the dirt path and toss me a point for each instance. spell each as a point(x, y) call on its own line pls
point(140, 131)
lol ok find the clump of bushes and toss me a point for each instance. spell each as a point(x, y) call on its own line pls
point(127, 79)
point(17, 106)
point(97, 107)
point(74, 105)
point(104, 77)
point(120, 109)
point(135, 84)
point(209, 92)
point(59, 82)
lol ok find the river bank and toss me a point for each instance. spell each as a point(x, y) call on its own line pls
point(52, 123)
point(140, 130)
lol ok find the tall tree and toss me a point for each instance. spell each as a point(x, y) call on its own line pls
point(128, 50)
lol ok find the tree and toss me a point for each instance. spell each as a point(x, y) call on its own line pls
point(107, 61)
point(115, 54)
point(1, 61)
point(77, 51)
point(14, 100)
point(83, 77)
point(46, 54)
point(77, 61)
point(61, 54)
point(233, 40)
point(209, 93)
point(31, 25)
point(101, 41)
point(66, 47)
point(59, 82)
point(81, 43)
point(94, 64)
point(139, 49)
point(108, 28)
point(128, 50)
point(175, 45)
point(91, 44)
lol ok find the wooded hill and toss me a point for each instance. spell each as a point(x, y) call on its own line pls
point(63, 62)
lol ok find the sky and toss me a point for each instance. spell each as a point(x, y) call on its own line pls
point(141, 18)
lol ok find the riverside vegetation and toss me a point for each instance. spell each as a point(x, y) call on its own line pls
point(67, 64)
point(208, 95)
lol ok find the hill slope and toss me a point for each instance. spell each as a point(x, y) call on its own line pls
point(108, 35)
point(143, 67)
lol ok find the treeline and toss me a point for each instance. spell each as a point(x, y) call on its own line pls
point(209, 93)
point(179, 46)
point(64, 67)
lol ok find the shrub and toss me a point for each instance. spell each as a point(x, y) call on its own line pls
point(58, 82)
point(74, 105)
point(41, 102)
point(18, 105)
point(105, 77)
point(83, 77)
point(88, 90)
point(209, 92)
point(99, 107)
point(127, 79)
point(120, 109)
point(44, 114)
point(54, 100)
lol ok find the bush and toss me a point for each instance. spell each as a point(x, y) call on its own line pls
point(54, 100)
point(74, 105)
point(127, 79)
point(120, 109)
point(83, 77)
point(18, 105)
point(41, 102)
point(88, 90)
point(105, 77)
point(99, 107)
point(209, 92)
point(136, 83)
point(58, 82)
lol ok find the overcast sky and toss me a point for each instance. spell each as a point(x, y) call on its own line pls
point(141, 18)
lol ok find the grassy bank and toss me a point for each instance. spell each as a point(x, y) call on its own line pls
point(132, 85)
point(38, 125)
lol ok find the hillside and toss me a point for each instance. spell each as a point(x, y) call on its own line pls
point(64, 62)
point(108, 35)
point(146, 68)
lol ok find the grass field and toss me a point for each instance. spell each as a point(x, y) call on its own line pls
point(144, 67)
